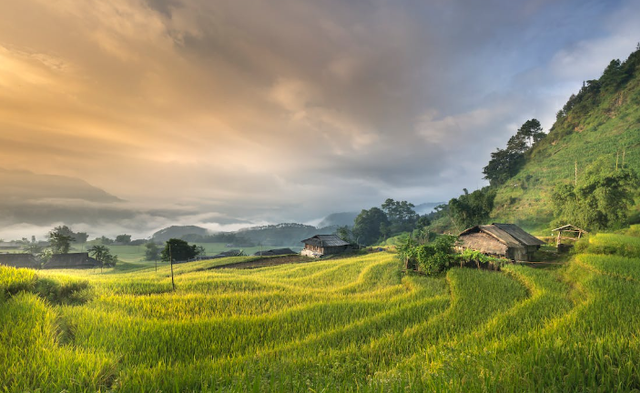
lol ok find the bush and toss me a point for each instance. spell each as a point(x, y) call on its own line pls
point(431, 258)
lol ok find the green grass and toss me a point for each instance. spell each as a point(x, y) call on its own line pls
point(606, 130)
point(136, 254)
point(353, 324)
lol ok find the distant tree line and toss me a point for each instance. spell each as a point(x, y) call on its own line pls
point(376, 224)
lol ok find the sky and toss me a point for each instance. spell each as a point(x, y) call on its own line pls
point(125, 116)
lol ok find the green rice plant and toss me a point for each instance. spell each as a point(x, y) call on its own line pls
point(356, 324)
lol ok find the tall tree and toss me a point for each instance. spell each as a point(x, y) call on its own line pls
point(505, 164)
point(60, 240)
point(103, 255)
point(123, 239)
point(152, 252)
point(369, 226)
point(81, 237)
point(178, 250)
point(400, 214)
point(471, 209)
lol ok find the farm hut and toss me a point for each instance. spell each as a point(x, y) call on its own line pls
point(19, 260)
point(79, 260)
point(274, 252)
point(503, 240)
point(567, 235)
point(321, 245)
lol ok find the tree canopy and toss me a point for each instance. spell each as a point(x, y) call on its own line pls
point(178, 250)
point(369, 226)
point(505, 164)
point(60, 239)
point(471, 209)
point(400, 214)
point(600, 200)
point(103, 255)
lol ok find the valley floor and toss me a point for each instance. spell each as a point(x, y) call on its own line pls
point(355, 324)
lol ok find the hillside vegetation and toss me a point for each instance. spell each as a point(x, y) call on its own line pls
point(600, 121)
point(353, 324)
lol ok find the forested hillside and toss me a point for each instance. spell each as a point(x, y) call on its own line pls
point(601, 121)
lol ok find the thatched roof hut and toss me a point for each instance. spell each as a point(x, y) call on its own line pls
point(274, 252)
point(78, 260)
point(320, 245)
point(503, 240)
point(19, 260)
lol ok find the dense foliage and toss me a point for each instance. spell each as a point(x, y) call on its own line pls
point(178, 250)
point(600, 121)
point(103, 255)
point(429, 258)
point(379, 223)
point(369, 227)
point(505, 163)
point(471, 209)
point(599, 200)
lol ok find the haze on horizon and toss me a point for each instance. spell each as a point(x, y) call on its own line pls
point(147, 113)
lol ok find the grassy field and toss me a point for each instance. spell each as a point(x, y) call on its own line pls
point(136, 254)
point(354, 324)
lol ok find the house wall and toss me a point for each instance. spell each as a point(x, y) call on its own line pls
point(314, 251)
point(484, 243)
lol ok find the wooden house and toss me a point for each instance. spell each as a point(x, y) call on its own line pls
point(321, 245)
point(78, 260)
point(19, 260)
point(502, 240)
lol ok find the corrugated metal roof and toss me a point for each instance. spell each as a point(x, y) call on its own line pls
point(325, 241)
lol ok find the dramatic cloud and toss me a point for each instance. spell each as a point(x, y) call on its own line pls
point(287, 110)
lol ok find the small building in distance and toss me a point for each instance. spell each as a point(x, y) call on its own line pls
point(321, 245)
point(78, 260)
point(502, 240)
point(567, 236)
point(274, 252)
point(19, 260)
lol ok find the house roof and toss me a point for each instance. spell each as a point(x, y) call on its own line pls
point(277, 251)
point(509, 234)
point(325, 241)
point(71, 261)
point(569, 227)
point(19, 260)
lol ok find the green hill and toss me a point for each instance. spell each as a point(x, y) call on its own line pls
point(602, 120)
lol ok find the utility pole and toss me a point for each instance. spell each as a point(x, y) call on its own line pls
point(173, 284)
point(575, 178)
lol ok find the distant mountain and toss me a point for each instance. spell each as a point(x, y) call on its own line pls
point(177, 232)
point(338, 219)
point(426, 208)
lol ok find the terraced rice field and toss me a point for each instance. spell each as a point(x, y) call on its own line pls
point(355, 324)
